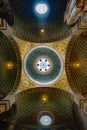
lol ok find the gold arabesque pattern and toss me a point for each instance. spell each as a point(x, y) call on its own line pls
point(25, 46)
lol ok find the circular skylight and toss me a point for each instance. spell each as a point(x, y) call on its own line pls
point(43, 65)
point(41, 8)
point(45, 120)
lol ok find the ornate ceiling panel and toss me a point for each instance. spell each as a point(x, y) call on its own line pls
point(31, 30)
point(42, 101)
point(10, 65)
point(39, 28)
point(43, 65)
point(76, 64)
point(26, 47)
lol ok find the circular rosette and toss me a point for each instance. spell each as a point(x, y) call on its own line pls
point(43, 65)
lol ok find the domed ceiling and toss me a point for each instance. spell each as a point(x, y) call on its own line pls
point(43, 65)
point(76, 63)
point(10, 65)
point(26, 8)
point(38, 102)
point(40, 27)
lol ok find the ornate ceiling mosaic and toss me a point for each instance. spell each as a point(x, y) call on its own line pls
point(43, 65)
point(37, 102)
point(76, 63)
point(28, 25)
point(10, 65)
point(26, 47)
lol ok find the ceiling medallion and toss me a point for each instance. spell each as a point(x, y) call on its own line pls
point(43, 65)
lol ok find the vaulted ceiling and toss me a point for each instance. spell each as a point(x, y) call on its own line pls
point(43, 67)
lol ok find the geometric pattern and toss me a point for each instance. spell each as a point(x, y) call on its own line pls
point(43, 65)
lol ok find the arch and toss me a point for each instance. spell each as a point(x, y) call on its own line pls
point(10, 65)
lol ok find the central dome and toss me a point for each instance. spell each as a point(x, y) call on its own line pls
point(32, 17)
point(43, 65)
